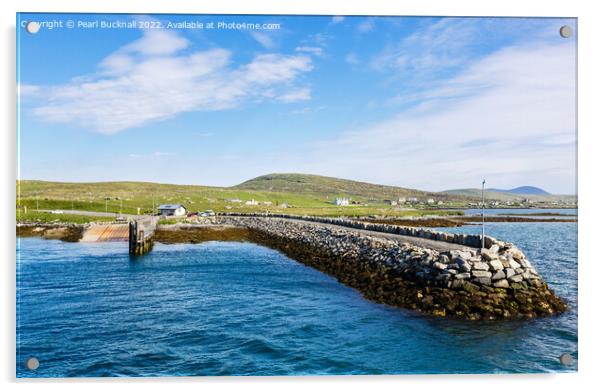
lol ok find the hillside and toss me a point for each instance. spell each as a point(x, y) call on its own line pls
point(316, 184)
point(277, 193)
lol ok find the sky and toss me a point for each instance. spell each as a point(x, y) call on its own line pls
point(424, 103)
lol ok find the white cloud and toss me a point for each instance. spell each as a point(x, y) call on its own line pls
point(441, 45)
point(24, 90)
point(337, 19)
point(509, 117)
point(141, 83)
point(264, 39)
point(522, 99)
point(157, 42)
point(203, 134)
point(351, 58)
point(152, 155)
point(301, 94)
point(315, 50)
point(366, 26)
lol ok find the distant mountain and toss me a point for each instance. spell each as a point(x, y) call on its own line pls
point(516, 194)
point(526, 190)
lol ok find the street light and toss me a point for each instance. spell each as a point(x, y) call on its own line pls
point(483, 215)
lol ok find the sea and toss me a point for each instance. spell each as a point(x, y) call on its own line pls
point(240, 309)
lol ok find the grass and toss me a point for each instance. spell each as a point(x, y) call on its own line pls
point(139, 197)
point(169, 222)
point(45, 217)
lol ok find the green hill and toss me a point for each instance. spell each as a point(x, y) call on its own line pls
point(278, 193)
point(316, 184)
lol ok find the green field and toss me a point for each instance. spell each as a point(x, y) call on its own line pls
point(303, 194)
point(45, 217)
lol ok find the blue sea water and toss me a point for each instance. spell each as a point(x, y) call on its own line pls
point(226, 308)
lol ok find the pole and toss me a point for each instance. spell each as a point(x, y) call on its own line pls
point(483, 215)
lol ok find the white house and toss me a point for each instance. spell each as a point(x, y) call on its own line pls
point(172, 210)
point(252, 202)
point(430, 201)
point(341, 201)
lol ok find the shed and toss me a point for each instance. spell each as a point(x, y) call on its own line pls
point(172, 210)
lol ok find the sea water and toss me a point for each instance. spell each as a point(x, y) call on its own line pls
point(228, 308)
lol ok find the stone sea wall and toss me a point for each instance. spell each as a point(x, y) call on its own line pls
point(463, 239)
point(495, 283)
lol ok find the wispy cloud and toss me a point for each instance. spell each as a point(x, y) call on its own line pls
point(203, 134)
point(263, 38)
point(366, 25)
point(149, 80)
point(508, 117)
point(301, 94)
point(152, 155)
point(351, 58)
point(337, 19)
point(25, 90)
point(315, 50)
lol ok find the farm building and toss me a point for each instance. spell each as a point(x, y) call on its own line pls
point(251, 202)
point(172, 210)
point(341, 201)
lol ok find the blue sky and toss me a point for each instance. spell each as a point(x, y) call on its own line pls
point(428, 103)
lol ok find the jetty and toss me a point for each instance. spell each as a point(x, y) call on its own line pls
point(138, 231)
point(438, 273)
point(141, 232)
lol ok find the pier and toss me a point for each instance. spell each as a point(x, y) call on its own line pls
point(138, 231)
point(141, 233)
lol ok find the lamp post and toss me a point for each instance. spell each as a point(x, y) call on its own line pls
point(483, 215)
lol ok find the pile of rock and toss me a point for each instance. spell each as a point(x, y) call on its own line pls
point(494, 283)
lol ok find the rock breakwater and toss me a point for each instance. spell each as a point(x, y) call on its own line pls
point(497, 282)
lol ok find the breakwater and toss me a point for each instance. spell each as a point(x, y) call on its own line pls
point(462, 239)
point(495, 283)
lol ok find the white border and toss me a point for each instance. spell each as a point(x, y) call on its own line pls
point(589, 185)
